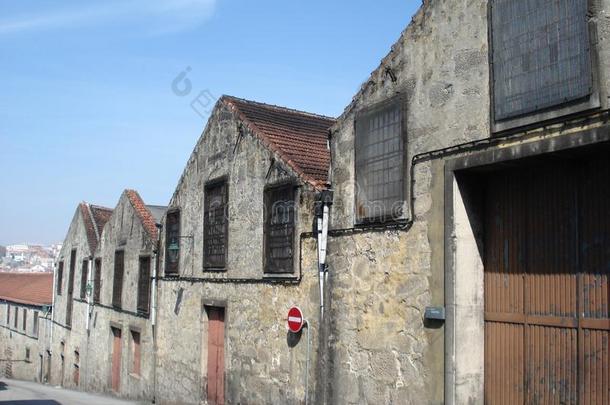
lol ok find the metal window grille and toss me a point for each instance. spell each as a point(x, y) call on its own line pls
point(117, 286)
point(279, 229)
point(144, 286)
point(380, 147)
point(541, 55)
point(215, 226)
point(84, 275)
point(172, 243)
point(97, 281)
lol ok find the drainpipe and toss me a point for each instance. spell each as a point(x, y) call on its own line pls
point(322, 213)
point(154, 308)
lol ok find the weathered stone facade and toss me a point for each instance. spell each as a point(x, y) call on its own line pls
point(264, 363)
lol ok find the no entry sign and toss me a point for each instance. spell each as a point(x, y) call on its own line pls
point(295, 320)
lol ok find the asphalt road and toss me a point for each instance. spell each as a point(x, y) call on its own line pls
point(14, 392)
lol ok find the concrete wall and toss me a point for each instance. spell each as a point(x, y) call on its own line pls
point(263, 363)
point(15, 341)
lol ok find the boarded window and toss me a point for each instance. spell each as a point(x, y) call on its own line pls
point(144, 286)
point(60, 277)
point(97, 281)
point(540, 53)
point(117, 285)
point(35, 324)
point(380, 148)
point(69, 302)
point(136, 353)
point(279, 229)
point(215, 226)
point(84, 278)
point(172, 242)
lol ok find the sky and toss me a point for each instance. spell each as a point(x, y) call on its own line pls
point(100, 96)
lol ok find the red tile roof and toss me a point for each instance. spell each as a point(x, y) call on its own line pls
point(144, 214)
point(298, 138)
point(95, 217)
point(27, 288)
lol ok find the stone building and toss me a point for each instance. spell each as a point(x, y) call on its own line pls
point(25, 315)
point(102, 334)
point(237, 255)
point(468, 236)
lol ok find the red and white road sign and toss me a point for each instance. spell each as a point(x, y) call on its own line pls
point(295, 320)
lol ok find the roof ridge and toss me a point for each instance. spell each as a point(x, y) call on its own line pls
point(138, 206)
point(99, 207)
point(95, 228)
point(279, 107)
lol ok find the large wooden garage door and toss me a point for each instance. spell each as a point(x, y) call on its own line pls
point(547, 260)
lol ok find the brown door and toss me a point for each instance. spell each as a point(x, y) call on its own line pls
point(547, 260)
point(216, 348)
point(116, 359)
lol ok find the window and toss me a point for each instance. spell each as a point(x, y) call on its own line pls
point(172, 242)
point(60, 277)
point(215, 225)
point(97, 282)
point(136, 353)
point(279, 229)
point(35, 324)
point(8, 315)
point(16, 318)
point(540, 54)
point(117, 285)
point(70, 288)
point(144, 286)
point(380, 148)
point(27, 354)
point(84, 277)
point(25, 320)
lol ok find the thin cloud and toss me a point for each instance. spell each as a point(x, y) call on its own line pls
point(159, 16)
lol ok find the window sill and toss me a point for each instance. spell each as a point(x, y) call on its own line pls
point(280, 276)
point(214, 269)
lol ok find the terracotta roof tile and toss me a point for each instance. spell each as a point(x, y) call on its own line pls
point(299, 138)
point(144, 213)
point(27, 288)
point(95, 217)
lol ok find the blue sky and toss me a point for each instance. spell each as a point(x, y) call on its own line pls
point(87, 107)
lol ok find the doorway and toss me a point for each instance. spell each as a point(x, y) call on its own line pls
point(215, 355)
point(116, 360)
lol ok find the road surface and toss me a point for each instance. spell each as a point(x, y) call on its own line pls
point(14, 392)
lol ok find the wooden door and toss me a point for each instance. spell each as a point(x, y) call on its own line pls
point(116, 359)
point(547, 261)
point(216, 347)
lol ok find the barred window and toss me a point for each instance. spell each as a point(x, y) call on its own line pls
point(540, 53)
point(97, 281)
point(279, 229)
point(144, 286)
point(117, 286)
point(172, 242)
point(379, 154)
point(84, 278)
point(215, 225)
point(60, 277)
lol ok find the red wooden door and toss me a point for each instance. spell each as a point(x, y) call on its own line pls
point(116, 359)
point(216, 347)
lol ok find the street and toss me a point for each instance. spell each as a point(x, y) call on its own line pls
point(29, 393)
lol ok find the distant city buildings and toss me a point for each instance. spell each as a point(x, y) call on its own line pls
point(27, 258)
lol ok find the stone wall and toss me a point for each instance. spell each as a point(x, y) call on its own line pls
point(23, 352)
point(263, 362)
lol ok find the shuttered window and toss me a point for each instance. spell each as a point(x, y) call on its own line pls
point(84, 276)
point(69, 303)
point(279, 229)
point(60, 277)
point(97, 281)
point(215, 226)
point(117, 285)
point(379, 154)
point(541, 56)
point(172, 243)
point(144, 286)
